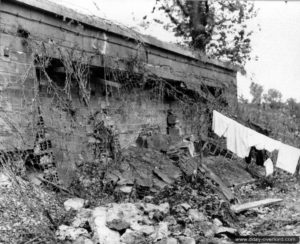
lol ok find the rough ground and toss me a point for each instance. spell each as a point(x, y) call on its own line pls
point(282, 219)
point(194, 213)
point(24, 208)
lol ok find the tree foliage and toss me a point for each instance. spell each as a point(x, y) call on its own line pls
point(217, 28)
point(273, 97)
point(293, 107)
point(256, 92)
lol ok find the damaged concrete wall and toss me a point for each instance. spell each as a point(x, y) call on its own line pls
point(16, 89)
point(23, 22)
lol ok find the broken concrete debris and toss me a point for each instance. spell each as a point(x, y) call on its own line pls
point(126, 223)
point(101, 232)
point(4, 180)
point(83, 240)
point(74, 204)
point(177, 198)
point(186, 240)
point(146, 168)
point(160, 192)
point(70, 233)
point(196, 216)
point(176, 205)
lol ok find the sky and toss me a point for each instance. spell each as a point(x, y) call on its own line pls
point(277, 44)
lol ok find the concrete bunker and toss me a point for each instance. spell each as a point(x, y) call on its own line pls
point(70, 69)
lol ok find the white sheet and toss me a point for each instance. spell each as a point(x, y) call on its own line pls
point(237, 139)
point(288, 157)
point(269, 167)
point(220, 123)
point(240, 139)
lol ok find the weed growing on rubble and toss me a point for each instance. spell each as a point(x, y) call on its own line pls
point(28, 213)
point(90, 184)
point(199, 195)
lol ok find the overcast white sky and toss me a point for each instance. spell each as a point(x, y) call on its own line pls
point(277, 44)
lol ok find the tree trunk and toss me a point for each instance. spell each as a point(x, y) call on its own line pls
point(198, 11)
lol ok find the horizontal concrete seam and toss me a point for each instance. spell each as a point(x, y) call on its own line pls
point(170, 49)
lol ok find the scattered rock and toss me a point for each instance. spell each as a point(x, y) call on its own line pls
point(121, 216)
point(161, 231)
point(118, 224)
point(65, 232)
point(196, 216)
point(168, 241)
point(188, 232)
point(217, 222)
point(82, 217)
point(132, 237)
point(171, 220)
point(149, 207)
point(145, 229)
point(125, 189)
point(102, 233)
point(83, 240)
point(207, 228)
point(156, 216)
point(111, 177)
point(148, 199)
point(186, 240)
point(33, 177)
point(209, 233)
point(4, 180)
point(185, 206)
point(216, 241)
point(74, 203)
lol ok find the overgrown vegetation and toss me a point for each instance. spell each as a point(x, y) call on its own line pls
point(28, 213)
point(282, 119)
point(33, 214)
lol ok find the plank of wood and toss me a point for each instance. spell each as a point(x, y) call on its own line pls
point(57, 186)
point(245, 206)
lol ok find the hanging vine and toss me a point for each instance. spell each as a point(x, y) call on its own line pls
point(133, 77)
point(76, 65)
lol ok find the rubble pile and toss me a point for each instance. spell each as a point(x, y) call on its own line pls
point(139, 172)
point(160, 191)
point(154, 194)
point(146, 169)
point(166, 198)
point(197, 195)
point(141, 222)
